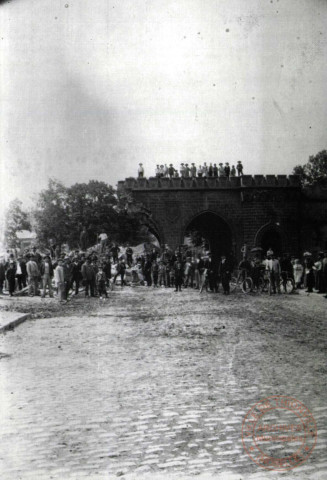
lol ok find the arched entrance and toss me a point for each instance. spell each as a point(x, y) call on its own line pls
point(268, 237)
point(213, 230)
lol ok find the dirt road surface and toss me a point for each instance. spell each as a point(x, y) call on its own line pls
point(155, 384)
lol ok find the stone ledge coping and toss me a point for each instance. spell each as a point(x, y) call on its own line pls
point(210, 182)
point(9, 320)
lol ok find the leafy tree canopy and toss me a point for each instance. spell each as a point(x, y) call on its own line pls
point(315, 171)
point(16, 219)
point(62, 213)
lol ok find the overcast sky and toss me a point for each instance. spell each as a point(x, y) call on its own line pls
point(90, 88)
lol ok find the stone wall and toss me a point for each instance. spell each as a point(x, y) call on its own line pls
point(250, 205)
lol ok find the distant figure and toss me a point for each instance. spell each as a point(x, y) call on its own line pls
point(157, 171)
point(182, 170)
point(239, 167)
point(166, 171)
point(200, 171)
point(84, 239)
point(103, 241)
point(227, 169)
point(140, 171)
point(244, 251)
point(11, 277)
point(101, 281)
point(171, 170)
point(193, 170)
point(215, 170)
point(114, 250)
point(225, 274)
point(187, 171)
point(205, 169)
point(221, 170)
point(233, 171)
point(210, 170)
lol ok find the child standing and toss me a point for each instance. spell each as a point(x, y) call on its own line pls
point(101, 281)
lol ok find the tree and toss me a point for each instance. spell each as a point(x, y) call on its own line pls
point(91, 205)
point(16, 219)
point(62, 213)
point(51, 215)
point(315, 171)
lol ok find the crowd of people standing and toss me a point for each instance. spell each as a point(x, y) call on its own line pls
point(97, 269)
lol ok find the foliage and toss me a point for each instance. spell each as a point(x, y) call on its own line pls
point(51, 215)
point(16, 219)
point(92, 206)
point(315, 171)
point(62, 214)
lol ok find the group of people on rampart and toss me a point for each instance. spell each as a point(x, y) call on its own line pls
point(192, 171)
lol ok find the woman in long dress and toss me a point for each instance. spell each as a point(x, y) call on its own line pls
point(298, 272)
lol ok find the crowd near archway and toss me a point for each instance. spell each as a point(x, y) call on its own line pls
point(211, 231)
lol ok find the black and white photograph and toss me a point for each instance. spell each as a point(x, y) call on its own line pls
point(163, 239)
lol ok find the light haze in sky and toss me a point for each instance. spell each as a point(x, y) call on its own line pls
point(90, 88)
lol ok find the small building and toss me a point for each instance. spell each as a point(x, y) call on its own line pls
point(26, 239)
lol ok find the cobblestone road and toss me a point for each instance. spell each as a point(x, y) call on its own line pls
point(155, 384)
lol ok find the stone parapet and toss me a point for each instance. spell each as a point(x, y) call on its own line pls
point(210, 183)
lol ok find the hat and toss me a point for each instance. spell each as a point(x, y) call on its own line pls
point(239, 161)
point(307, 254)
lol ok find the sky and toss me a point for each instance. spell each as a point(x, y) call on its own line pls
point(91, 88)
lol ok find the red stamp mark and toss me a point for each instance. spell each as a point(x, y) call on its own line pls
point(279, 433)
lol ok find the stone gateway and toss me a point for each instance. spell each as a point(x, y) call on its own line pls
point(261, 211)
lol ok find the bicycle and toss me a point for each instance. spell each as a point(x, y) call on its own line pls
point(264, 283)
point(286, 283)
point(242, 281)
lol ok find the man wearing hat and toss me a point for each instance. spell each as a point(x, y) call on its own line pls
point(227, 169)
point(46, 270)
point(88, 274)
point(76, 274)
point(224, 272)
point(171, 170)
point(140, 171)
point(239, 168)
point(11, 277)
point(21, 273)
point(193, 170)
point(33, 275)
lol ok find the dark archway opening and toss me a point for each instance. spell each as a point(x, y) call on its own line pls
point(271, 238)
point(212, 231)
